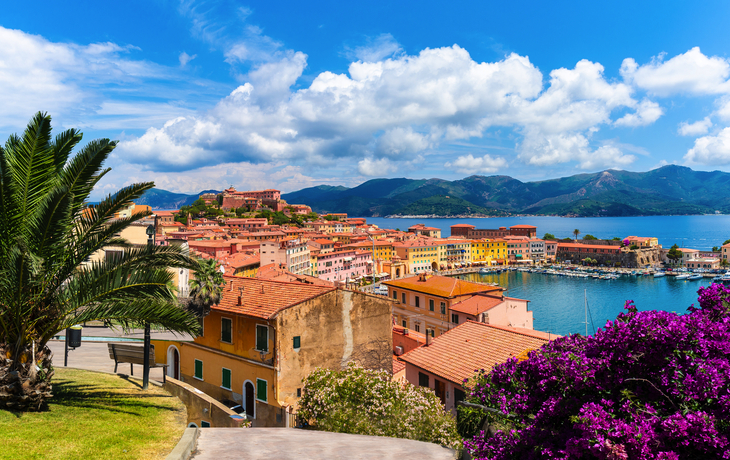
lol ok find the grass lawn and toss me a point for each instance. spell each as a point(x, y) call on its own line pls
point(95, 415)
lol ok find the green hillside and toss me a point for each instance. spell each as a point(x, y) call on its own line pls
point(443, 205)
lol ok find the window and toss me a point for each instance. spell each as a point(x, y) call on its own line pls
point(299, 392)
point(443, 308)
point(198, 369)
point(455, 318)
point(422, 380)
point(204, 424)
point(403, 297)
point(262, 338)
point(405, 323)
point(395, 295)
point(430, 304)
point(261, 386)
point(226, 378)
point(297, 342)
point(418, 327)
point(418, 302)
point(226, 330)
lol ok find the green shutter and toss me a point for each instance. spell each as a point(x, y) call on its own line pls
point(262, 338)
point(226, 379)
point(297, 342)
point(261, 390)
point(430, 304)
point(199, 369)
point(226, 330)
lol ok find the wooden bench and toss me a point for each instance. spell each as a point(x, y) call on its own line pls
point(133, 354)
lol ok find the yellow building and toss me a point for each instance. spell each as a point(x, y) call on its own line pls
point(418, 255)
point(454, 253)
point(480, 252)
point(498, 250)
point(265, 336)
point(383, 249)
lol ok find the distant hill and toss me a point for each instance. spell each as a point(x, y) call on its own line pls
point(162, 199)
point(669, 190)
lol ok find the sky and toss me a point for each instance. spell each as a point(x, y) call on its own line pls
point(290, 94)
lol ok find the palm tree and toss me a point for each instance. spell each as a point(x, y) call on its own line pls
point(48, 234)
point(576, 232)
point(206, 288)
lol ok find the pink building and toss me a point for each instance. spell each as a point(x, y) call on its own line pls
point(341, 266)
point(241, 224)
point(494, 309)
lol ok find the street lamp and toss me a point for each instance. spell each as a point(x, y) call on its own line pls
point(146, 366)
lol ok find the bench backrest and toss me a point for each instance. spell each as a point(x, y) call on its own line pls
point(130, 353)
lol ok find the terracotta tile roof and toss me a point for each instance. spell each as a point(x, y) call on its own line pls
point(458, 353)
point(522, 226)
point(398, 365)
point(462, 226)
point(441, 286)
point(265, 298)
point(477, 304)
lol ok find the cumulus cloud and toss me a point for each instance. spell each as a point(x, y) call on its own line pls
point(469, 164)
point(395, 109)
point(647, 112)
point(545, 150)
point(711, 150)
point(375, 167)
point(690, 73)
point(695, 129)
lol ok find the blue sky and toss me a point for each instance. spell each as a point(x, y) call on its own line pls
point(294, 94)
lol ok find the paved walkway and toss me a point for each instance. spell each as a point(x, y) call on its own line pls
point(94, 356)
point(295, 444)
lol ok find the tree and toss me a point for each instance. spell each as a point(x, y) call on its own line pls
point(548, 236)
point(589, 237)
point(674, 253)
point(206, 287)
point(724, 263)
point(725, 242)
point(576, 232)
point(360, 401)
point(649, 385)
point(715, 249)
point(615, 238)
point(47, 235)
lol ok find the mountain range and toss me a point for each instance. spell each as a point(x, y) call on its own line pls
point(669, 190)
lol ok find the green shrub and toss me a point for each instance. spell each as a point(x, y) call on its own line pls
point(360, 401)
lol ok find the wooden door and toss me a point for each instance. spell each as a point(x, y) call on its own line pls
point(175, 364)
point(440, 388)
point(249, 400)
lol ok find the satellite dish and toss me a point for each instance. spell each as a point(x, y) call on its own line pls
point(223, 269)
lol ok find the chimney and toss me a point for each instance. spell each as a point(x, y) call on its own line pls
point(428, 337)
point(231, 286)
point(240, 295)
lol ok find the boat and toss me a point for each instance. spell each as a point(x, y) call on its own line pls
point(484, 271)
point(694, 277)
point(659, 274)
point(683, 276)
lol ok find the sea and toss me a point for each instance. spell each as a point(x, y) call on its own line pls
point(558, 303)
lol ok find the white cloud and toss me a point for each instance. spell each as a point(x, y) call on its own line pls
point(375, 167)
point(546, 150)
point(695, 129)
point(690, 73)
point(711, 150)
point(647, 112)
point(394, 109)
point(469, 164)
point(376, 49)
point(185, 58)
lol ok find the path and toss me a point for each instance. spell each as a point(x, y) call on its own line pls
point(296, 444)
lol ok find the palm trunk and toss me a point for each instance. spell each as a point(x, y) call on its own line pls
point(25, 378)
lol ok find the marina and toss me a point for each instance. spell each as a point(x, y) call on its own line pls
point(557, 300)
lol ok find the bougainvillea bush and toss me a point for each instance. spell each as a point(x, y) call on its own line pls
point(650, 385)
point(360, 401)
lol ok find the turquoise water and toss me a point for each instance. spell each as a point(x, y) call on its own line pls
point(699, 232)
point(557, 301)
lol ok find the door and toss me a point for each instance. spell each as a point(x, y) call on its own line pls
point(249, 399)
point(175, 364)
point(440, 388)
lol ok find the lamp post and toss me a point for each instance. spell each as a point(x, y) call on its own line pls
point(146, 366)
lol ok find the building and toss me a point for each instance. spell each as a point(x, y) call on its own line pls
point(265, 337)
point(724, 251)
point(643, 242)
point(518, 248)
point(233, 199)
point(423, 302)
point(453, 357)
point(247, 224)
point(529, 231)
point(537, 250)
point(418, 255)
point(470, 231)
point(454, 252)
point(551, 249)
point(343, 266)
point(291, 254)
point(423, 230)
point(493, 308)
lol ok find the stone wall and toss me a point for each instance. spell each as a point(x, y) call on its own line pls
point(636, 258)
point(201, 407)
